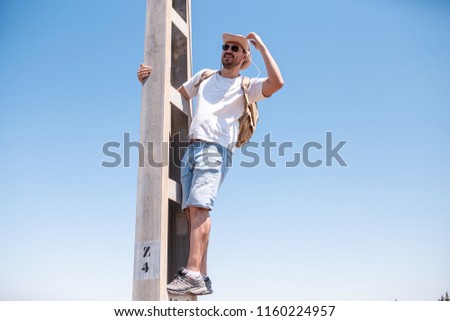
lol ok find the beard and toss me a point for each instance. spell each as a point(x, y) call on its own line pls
point(230, 62)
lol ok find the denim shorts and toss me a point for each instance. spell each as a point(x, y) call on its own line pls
point(203, 169)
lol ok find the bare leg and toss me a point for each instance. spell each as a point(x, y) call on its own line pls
point(200, 226)
point(203, 267)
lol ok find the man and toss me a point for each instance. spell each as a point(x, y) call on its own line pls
point(212, 136)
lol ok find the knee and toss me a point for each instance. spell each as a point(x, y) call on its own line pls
point(198, 215)
point(197, 211)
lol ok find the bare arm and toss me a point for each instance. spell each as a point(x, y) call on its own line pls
point(183, 92)
point(274, 81)
point(145, 71)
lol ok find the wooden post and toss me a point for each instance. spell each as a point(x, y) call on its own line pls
point(162, 243)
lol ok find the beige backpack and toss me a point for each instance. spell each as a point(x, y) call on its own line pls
point(249, 118)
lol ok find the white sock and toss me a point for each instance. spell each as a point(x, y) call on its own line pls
point(192, 273)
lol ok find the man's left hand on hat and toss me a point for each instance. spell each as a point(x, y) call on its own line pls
point(256, 41)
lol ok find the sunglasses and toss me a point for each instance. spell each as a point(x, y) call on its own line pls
point(234, 48)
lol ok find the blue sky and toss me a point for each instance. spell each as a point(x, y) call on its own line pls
point(374, 73)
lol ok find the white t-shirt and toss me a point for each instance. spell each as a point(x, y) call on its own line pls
point(220, 103)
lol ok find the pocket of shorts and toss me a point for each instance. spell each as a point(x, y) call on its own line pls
point(211, 158)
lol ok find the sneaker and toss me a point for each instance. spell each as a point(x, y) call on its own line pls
point(208, 284)
point(186, 284)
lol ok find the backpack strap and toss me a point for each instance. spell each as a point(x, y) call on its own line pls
point(245, 84)
point(205, 75)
